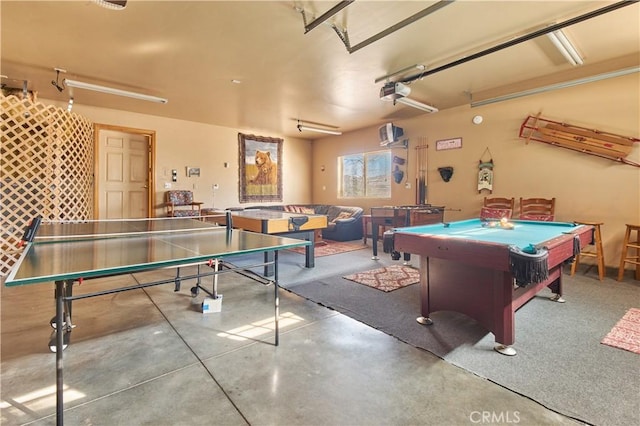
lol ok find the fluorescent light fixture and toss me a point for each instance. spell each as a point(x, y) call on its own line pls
point(551, 87)
point(302, 127)
point(113, 91)
point(564, 46)
point(112, 4)
point(416, 104)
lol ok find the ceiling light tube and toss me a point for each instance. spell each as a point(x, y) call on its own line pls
point(112, 4)
point(113, 91)
point(551, 87)
point(564, 46)
point(416, 104)
point(302, 127)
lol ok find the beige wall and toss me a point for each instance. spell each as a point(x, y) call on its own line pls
point(585, 187)
point(184, 143)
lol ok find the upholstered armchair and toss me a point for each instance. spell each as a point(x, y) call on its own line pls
point(179, 203)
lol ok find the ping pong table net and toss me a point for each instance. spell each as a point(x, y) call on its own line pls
point(30, 231)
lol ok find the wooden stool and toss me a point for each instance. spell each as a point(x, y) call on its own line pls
point(598, 254)
point(626, 245)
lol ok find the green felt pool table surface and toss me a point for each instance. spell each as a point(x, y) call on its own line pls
point(521, 235)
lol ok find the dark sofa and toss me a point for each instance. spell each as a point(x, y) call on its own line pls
point(344, 222)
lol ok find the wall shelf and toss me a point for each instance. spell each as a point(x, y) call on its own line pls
point(588, 141)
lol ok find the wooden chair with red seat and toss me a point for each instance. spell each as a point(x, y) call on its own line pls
point(500, 203)
point(490, 213)
point(497, 208)
point(542, 209)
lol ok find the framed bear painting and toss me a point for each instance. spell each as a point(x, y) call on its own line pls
point(260, 168)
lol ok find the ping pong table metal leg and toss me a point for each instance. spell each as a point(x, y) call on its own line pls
point(216, 269)
point(269, 264)
point(277, 298)
point(67, 325)
point(309, 251)
point(60, 331)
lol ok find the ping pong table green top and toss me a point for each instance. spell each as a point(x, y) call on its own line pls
point(74, 250)
point(68, 230)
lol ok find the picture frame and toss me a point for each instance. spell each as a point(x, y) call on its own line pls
point(444, 144)
point(260, 168)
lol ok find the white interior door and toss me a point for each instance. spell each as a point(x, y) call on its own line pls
point(123, 175)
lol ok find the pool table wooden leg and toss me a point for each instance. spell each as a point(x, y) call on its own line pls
point(424, 320)
point(556, 288)
point(505, 350)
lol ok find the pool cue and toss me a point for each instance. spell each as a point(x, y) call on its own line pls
point(421, 171)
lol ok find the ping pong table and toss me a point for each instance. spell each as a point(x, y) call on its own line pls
point(66, 252)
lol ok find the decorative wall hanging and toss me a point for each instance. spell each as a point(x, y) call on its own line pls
point(260, 168)
point(443, 144)
point(588, 141)
point(485, 174)
point(446, 173)
point(398, 174)
point(193, 171)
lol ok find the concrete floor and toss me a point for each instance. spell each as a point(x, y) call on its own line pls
point(151, 357)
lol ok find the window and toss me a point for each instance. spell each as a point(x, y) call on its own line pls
point(365, 175)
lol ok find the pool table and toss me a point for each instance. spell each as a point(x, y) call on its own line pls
point(487, 271)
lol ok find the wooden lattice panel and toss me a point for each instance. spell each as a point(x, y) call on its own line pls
point(46, 168)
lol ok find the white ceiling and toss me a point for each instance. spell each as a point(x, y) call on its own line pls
point(190, 51)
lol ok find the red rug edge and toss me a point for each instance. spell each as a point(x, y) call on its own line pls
point(626, 333)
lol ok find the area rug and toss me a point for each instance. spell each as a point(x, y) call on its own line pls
point(331, 247)
point(386, 279)
point(574, 339)
point(626, 333)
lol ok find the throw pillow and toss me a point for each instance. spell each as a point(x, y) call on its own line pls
point(342, 215)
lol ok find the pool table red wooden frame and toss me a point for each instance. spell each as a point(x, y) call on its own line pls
point(474, 278)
